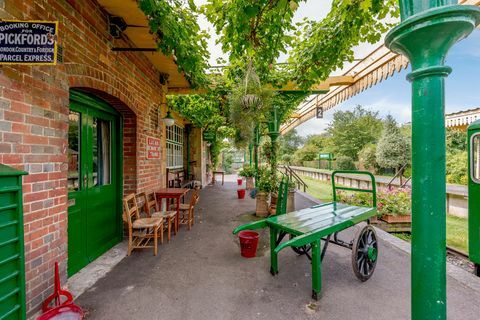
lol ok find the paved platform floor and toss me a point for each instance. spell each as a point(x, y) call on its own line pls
point(201, 275)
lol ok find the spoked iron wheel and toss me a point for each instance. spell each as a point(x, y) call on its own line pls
point(365, 253)
point(303, 249)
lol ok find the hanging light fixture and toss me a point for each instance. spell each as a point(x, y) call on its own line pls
point(169, 120)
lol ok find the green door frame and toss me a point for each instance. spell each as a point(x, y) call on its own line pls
point(99, 105)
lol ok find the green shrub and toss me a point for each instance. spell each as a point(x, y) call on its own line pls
point(287, 159)
point(457, 167)
point(367, 157)
point(266, 180)
point(392, 202)
point(345, 163)
point(247, 172)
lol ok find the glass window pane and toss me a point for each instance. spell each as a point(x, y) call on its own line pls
point(101, 152)
point(475, 158)
point(73, 180)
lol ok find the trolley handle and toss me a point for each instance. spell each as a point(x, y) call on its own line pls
point(373, 190)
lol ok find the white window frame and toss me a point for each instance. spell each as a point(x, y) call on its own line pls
point(174, 139)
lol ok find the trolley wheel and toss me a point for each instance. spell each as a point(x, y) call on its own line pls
point(301, 250)
point(365, 253)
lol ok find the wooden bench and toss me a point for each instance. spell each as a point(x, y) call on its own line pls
point(307, 228)
point(178, 178)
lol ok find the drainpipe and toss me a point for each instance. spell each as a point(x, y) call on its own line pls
point(427, 31)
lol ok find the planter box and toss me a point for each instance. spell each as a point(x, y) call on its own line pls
point(262, 205)
point(396, 219)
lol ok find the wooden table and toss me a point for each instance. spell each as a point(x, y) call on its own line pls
point(218, 172)
point(171, 193)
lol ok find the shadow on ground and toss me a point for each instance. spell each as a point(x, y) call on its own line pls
point(201, 275)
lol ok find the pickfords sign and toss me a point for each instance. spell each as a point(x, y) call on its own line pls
point(28, 42)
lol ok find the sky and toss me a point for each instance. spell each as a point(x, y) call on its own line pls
point(392, 96)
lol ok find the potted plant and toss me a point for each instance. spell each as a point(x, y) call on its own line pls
point(264, 187)
point(291, 197)
point(394, 206)
point(274, 193)
point(248, 173)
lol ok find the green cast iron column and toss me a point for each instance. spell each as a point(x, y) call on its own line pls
point(273, 132)
point(255, 150)
point(250, 149)
point(427, 31)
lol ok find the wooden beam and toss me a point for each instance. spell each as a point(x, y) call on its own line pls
point(319, 88)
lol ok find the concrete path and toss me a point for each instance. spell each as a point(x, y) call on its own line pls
point(201, 275)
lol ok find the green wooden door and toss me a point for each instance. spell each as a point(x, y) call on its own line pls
point(94, 180)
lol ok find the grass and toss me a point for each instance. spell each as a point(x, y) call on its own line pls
point(457, 228)
point(457, 233)
point(321, 190)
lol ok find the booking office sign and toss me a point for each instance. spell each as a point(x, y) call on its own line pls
point(28, 42)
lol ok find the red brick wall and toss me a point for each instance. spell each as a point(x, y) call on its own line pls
point(34, 106)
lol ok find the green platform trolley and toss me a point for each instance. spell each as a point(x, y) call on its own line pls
point(309, 232)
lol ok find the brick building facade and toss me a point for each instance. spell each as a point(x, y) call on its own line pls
point(34, 113)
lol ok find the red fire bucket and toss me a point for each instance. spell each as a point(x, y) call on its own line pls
point(241, 193)
point(63, 312)
point(239, 182)
point(248, 243)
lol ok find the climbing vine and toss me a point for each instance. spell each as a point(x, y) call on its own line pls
point(324, 46)
point(179, 35)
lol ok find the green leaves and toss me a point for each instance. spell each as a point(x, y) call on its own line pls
point(324, 46)
point(179, 36)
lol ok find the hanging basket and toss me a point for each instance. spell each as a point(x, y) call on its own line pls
point(250, 100)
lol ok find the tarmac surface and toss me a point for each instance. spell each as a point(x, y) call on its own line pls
point(201, 275)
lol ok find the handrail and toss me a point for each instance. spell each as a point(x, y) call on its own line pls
point(405, 183)
point(373, 191)
point(399, 173)
point(289, 171)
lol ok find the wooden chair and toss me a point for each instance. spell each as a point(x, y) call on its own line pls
point(140, 230)
point(168, 217)
point(187, 215)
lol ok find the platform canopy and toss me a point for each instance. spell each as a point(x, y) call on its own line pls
point(377, 65)
point(142, 40)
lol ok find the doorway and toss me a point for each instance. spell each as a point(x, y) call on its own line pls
point(94, 179)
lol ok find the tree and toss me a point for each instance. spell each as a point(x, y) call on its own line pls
point(352, 130)
point(307, 153)
point(456, 140)
point(290, 142)
point(345, 163)
point(368, 158)
point(457, 167)
point(393, 149)
point(320, 141)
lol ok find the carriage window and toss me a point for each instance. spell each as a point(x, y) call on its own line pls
point(475, 158)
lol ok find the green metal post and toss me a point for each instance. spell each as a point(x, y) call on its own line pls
point(427, 31)
point(273, 254)
point(316, 270)
point(273, 133)
point(250, 149)
point(255, 150)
